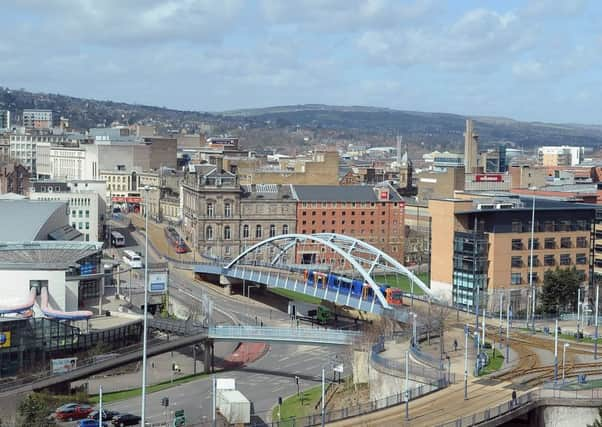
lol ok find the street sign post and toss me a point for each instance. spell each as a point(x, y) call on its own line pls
point(179, 418)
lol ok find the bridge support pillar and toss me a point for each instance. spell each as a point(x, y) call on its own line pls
point(226, 284)
point(208, 357)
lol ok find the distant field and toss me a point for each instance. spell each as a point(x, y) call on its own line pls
point(402, 282)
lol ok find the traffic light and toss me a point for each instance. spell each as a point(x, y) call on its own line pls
point(165, 401)
point(296, 379)
point(279, 400)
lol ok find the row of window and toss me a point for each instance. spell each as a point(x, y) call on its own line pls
point(81, 225)
point(548, 260)
point(211, 211)
point(333, 222)
point(517, 278)
point(550, 225)
point(82, 214)
point(550, 243)
point(343, 213)
point(209, 232)
point(342, 204)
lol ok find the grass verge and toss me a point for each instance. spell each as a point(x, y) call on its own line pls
point(402, 282)
point(296, 296)
point(297, 406)
point(495, 362)
point(127, 394)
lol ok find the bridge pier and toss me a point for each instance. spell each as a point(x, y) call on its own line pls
point(208, 357)
point(226, 284)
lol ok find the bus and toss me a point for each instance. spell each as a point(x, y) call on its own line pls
point(132, 259)
point(117, 239)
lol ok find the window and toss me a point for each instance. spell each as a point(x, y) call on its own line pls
point(534, 260)
point(87, 213)
point(272, 230)
point(565, 242)
point(285, 229)
point(227, 233)
point(517, 261)
point(88, 227)
point(549, 260)
point(209, 233)
point(582, 242)
point(227, 250)
point(517, 244)
point(581, 275)
point(258, 231)
point(516, 278)
point(245, 231)
point(535, 243)
point(565, 259)
point(210, 209)
point(548, 226)
point(228, 210)
point(581, 259)
point(80, 213)
point(534, 277)
point(73, 214)
point(80, 225)
point(549, 243)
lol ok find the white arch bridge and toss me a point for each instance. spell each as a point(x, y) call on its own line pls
point(329, 266)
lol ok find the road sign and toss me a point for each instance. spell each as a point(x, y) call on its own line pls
point(339, 368)
point(179, 413)
point(179, 422)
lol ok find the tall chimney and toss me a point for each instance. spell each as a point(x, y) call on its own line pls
point(471, 148)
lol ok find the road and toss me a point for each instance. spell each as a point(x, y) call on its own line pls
point(262, 382)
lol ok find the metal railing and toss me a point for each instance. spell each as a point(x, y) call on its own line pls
point(306, 335)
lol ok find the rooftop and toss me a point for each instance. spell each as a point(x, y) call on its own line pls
point(341, 193)
point(45, 255)
point(22, 220)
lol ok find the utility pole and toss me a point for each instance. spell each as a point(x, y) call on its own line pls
point(407, 385)
point(213, 401)
point(596, 332)
point(508, 332)
point(578, 310)
point(501, 314)
point(556, 351)
point(145, 324)
point(466, 362)
point(474, 273)
point(323, 396)
point(531, 287)
point(100, 406)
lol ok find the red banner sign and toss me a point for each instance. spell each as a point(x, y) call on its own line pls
point(489, 177)
point(121, 199)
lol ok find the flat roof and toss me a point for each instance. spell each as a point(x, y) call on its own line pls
point(541, 204)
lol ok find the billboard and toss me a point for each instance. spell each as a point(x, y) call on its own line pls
point(489, 177)
point(5, 339)
point(157, 282)
point(62, 366)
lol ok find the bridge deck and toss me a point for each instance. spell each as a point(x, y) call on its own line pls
point(309, 336)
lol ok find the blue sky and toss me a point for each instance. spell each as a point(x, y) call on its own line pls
point(529, 60)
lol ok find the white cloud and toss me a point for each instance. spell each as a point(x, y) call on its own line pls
point(528, 69)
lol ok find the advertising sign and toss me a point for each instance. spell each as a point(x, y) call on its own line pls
point(121, 199)
point(62, 366)
point(489, 177)
point(4, 339)
point(157, 282)
point(225, 384)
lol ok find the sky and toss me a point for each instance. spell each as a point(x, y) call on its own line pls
point(535, 60)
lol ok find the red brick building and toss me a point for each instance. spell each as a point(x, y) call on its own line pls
point(372, 214)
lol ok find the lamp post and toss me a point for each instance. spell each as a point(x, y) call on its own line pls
point(508, 331)
point(145, 324)
point(414, 315)
point(578, 310)
point(466, 362)
point(556, 351)
point(531, 259)
point(100, 406)
point(566, 345)
point(407, 385)
point(596, 331)
point(501, 315)
point(323, 393)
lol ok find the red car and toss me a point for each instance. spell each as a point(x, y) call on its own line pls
point(73, 412)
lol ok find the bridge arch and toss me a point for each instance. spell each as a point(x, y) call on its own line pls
point(363, 257)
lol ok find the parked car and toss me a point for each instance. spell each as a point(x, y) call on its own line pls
point(87, 422)
point(106, 415)
point(73, 412)
point(66, 406)
point(126, 420)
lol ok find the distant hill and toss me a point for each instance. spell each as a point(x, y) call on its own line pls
point(326, 122)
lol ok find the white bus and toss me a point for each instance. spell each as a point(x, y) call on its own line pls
point(117, 239)
point(132, 259)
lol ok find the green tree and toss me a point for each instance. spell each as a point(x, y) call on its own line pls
point(560, 289)
point(598, 421)
point(34, 411)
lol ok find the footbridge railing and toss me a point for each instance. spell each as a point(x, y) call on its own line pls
point(288, 335)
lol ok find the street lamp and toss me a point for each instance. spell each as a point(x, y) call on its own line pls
point(466, 331)
point(414, 316)
point(145, 324)
point(566, 345)
point(531, 258)
point(556, 351)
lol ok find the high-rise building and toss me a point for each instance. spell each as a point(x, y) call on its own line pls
point(37, 119)
point(4, 119)
point(560, 155)
point(471, 148)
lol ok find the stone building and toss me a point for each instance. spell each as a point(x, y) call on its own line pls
point(14, 178)
point(221, 218)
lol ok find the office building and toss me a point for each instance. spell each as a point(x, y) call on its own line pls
point(482, 246)
point(560, 155)
point(23, 147)
point(4, 120)
point(86, 204)
point(37, 119)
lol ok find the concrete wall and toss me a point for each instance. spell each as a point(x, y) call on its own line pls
point(564, 416)
point(383, 385)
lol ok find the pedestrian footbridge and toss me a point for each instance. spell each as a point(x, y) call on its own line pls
point(292, 335)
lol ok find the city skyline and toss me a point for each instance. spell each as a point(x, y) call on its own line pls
point(532, 61)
